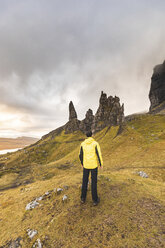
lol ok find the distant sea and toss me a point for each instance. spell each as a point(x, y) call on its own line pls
point(9, 150)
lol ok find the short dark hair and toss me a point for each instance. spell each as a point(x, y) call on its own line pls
point(89, 133)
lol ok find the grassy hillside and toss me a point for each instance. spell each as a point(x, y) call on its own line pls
point(132, 209)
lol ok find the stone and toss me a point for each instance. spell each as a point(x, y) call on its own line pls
point(157, 88)
point(66, 187)
point(47, 193)
point(32, 205)
point(65, 198)
point(14, 243)
point(108, 179)
point(31, 233)
point(142, 174)
point(39, 198)
point(59, 190)
point(37, 244)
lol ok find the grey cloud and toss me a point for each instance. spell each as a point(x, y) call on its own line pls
point(52, 52)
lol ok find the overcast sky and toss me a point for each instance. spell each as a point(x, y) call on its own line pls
point(55, 51)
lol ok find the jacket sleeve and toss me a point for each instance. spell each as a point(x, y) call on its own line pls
point(99, 155)
point(81, 154)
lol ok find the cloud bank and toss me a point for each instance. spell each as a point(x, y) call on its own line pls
point(54, 51)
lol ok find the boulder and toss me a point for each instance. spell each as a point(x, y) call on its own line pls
point(31, 233)
point(66, 187)
point(65, 198)
point(32, 205)
point(59, 190)
point(37, 244)
point(143, 174)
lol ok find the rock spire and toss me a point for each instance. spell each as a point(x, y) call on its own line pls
point(72, 111)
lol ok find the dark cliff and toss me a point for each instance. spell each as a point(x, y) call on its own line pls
point(157, 89)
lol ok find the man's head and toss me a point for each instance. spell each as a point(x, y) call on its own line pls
point(89, 134)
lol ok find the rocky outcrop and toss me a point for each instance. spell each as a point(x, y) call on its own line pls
point(73, 124)
point(110, 112)
point(86, 124)
point(72, 111)
point(157, 89)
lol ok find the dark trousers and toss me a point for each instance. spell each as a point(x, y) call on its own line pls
point(93, 185)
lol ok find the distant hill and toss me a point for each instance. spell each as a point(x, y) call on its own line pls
point(19, 142)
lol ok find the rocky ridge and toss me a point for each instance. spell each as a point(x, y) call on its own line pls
point(109, 113)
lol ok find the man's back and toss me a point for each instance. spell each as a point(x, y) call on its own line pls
point(90, 153)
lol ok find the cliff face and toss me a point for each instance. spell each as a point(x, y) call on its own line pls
point(109, 112)
point(157, 89)
point(86, 124)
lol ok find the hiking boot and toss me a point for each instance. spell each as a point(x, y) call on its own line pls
point(95, 203)
point(82, 200)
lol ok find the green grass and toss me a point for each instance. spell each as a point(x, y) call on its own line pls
point(132, 209)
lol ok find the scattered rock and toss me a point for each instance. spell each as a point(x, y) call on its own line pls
point(32, 205)
point(28, 189)
point(142, 174)
point(37, 244)
point(31, 233)
point(59, 190)
point(66, 187)
point(108, 179)
point(39, 198)
point(65, 198)
point(14, 243)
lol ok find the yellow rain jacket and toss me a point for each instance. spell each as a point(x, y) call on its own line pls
point(90, 154)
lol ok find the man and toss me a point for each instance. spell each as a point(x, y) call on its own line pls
point(90, 156)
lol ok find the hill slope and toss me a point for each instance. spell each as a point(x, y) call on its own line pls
point(132, 209)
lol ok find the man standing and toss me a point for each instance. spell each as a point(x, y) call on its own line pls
point(90, 155)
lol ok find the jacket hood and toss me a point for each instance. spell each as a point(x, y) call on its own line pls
point(89, 140)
